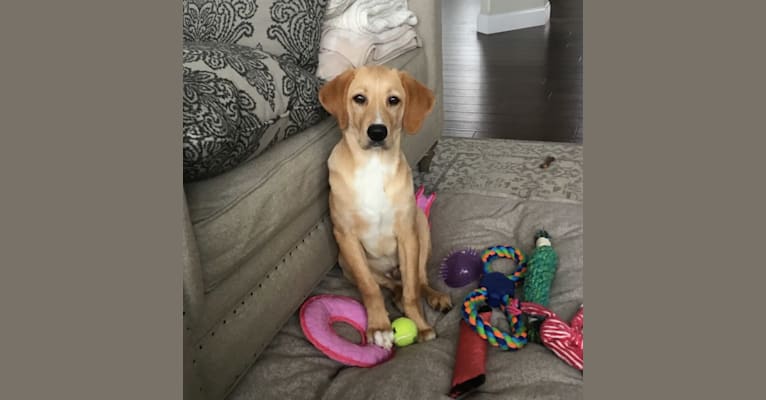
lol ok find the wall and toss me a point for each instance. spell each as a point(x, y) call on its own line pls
point(507, 15)
point(505, 6)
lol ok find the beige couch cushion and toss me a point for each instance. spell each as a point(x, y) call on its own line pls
point(236, 215)
point(291, 367)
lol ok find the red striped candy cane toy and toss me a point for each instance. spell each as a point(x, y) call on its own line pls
point(565, 340)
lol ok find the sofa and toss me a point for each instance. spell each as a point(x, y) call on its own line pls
point(257, 236)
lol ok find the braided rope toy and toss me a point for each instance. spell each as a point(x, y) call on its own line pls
point(495, 252)
point(496, 337)
point(497, 290)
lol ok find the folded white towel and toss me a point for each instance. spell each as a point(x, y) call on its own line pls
point(341, 49)
point(336, 7)
point(359, 32)
point(372, 16)
point(384, 52)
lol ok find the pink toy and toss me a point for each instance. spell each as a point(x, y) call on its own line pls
point(320, 312)
point(425, 202)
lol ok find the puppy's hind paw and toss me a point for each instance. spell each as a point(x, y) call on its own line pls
point(425, 335)
point(439, 301)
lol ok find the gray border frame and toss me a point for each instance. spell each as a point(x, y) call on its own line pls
point(91, 216)
point(671, 106)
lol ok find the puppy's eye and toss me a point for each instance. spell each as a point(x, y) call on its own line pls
point(360, 99)
point(393, 100)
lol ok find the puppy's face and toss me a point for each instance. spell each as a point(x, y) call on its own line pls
point(374, 104)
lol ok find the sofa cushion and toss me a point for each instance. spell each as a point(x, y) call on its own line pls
point(289, 29)
point(233, 98)
point(236, 215)
point(291, 367)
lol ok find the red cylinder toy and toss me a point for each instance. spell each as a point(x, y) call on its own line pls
point(470, 358)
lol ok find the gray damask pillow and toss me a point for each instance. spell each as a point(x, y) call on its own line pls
point(289, 29)
point(237, 102)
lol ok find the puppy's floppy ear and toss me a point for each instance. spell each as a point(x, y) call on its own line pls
point(418, 103)
point(333, 97)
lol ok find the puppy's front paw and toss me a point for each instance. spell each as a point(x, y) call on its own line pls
point(380, 333)
point(383, 337)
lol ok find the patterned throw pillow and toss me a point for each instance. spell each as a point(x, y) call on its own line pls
point(237, 101)
point(289, 29)
point(248, 78)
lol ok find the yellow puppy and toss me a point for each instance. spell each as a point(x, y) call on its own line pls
point(383, 237)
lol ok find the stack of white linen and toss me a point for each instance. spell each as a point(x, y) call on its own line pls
point(359, 32)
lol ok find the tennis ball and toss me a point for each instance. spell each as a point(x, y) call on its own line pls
point(405, 331)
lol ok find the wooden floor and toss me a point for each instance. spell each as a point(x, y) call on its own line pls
point(524, 84)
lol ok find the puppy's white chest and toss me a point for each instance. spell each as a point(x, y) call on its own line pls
point(373, 204)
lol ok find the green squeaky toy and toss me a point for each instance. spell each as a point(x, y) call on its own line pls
point(537, 284)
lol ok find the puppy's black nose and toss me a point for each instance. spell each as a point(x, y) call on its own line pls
point(377, 132)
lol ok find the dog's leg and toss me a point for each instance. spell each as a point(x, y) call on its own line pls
point(345, 268)
point(354, 262)
point(408, 265)
point(437, 300)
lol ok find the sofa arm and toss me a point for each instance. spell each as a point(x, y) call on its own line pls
point(429, 28)
point(193, 297)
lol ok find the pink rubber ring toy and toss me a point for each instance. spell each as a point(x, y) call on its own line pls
point(317, 316)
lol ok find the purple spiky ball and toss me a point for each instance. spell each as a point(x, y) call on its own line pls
point(461, 268)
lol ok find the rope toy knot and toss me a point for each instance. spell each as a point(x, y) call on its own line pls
point(564, 339)
point(513, 307)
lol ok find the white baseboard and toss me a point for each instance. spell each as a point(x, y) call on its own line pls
point(489, 24)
